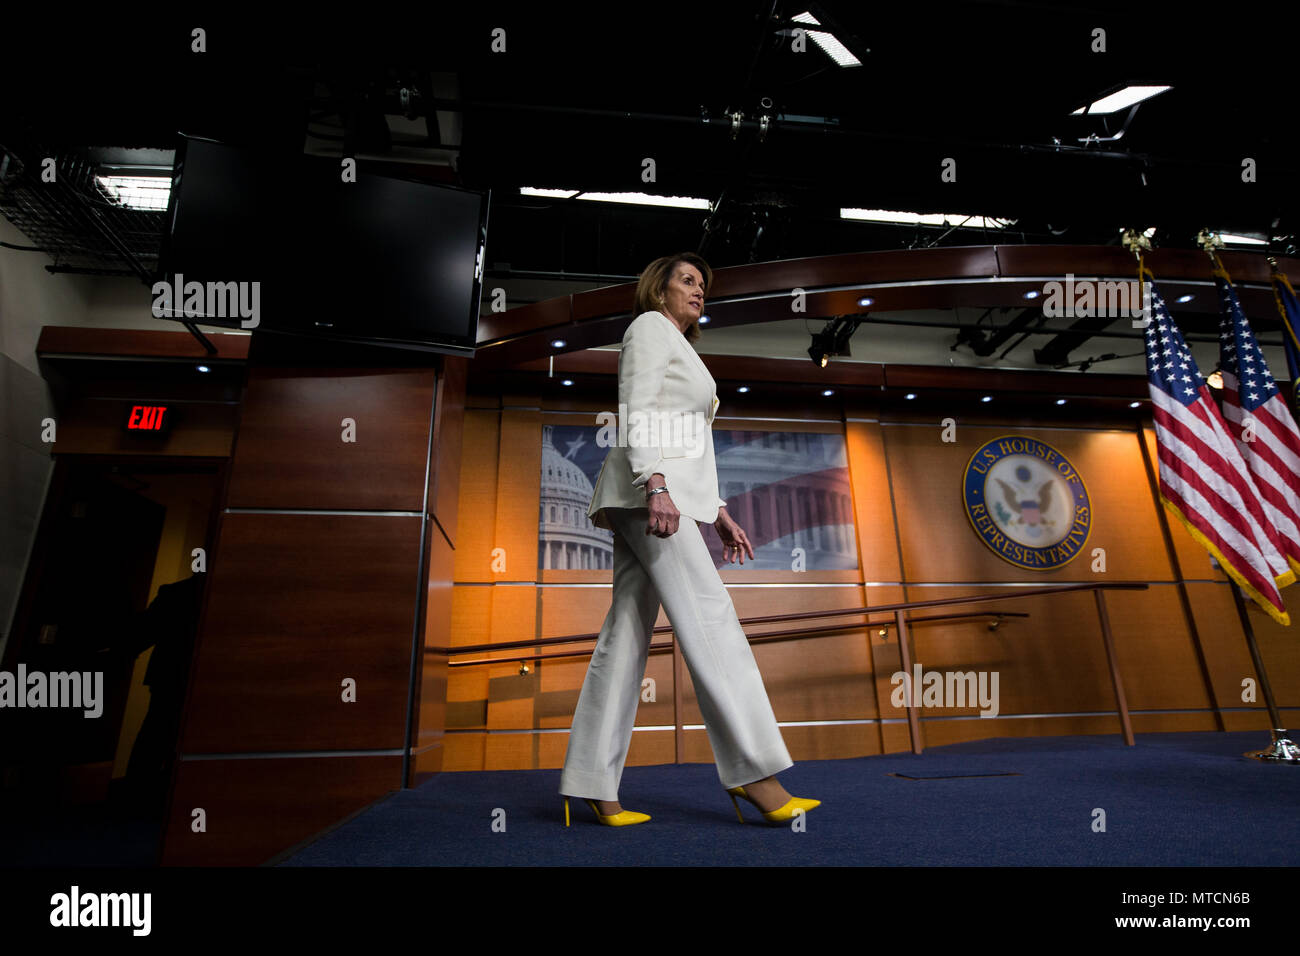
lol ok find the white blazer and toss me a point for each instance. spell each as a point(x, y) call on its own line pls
point(667, 400)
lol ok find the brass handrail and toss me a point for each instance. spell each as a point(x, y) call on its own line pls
point(900, 625)
point(792, 634)
point(804, 615)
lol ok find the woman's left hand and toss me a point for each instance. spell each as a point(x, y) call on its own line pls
point(735, 543)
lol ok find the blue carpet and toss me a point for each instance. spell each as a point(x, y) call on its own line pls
point(1187, 799)
point(88, 836)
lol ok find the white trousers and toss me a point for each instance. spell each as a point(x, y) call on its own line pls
point(678, 572)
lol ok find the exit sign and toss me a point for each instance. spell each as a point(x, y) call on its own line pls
point(142, 419)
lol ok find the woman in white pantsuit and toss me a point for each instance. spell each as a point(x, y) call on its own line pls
point(660, 472)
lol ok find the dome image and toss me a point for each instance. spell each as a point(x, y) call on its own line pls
point(566, 538)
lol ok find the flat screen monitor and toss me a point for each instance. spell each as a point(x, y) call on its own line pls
point(286, 243)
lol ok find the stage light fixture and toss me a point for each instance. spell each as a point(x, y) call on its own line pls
point(833, 339)
point(817, 351)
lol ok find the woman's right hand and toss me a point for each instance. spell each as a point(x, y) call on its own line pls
point(664, 516)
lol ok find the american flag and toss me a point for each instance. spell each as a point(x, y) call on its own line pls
point(1266, 433)
point(1203, 480)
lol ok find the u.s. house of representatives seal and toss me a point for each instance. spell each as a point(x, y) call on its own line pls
point(1027, 502)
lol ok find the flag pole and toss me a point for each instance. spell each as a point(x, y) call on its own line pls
point(1135, 241)
point(1209, 241)
point(1292, 349)
point(1281, 750)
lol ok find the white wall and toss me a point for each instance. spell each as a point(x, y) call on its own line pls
point(30, 297)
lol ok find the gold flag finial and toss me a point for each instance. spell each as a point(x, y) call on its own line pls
point(1135, 242)
point(1210, 241)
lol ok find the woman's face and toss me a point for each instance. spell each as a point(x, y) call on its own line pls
point(684, 297)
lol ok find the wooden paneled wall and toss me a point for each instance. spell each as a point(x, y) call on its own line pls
point(430, 666)
point(1180, 646)
point(334, 544)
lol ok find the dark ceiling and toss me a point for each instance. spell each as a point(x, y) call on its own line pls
point(581, 97)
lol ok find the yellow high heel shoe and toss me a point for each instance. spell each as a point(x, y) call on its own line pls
point(779, 815)
point(624, 818)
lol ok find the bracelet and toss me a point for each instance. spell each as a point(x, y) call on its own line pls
point(655, 491)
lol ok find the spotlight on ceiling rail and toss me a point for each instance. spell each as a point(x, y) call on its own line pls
point(833, 339)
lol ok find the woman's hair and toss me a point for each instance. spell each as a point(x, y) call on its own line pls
point(654, 283)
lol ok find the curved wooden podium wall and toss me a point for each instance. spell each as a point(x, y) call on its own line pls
point(896, 280)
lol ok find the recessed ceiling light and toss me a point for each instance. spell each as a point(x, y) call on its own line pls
point(567, 381)
point(1032, 294)
point(910, 395)
point(635, 199)
point(704, 320)
point(558, 343)
point(831, 46)
point(865, 301)
point(987, 398)
point(743, 388)
point(548, 193)
point(1186, 298)
point(1134, 404)
point(957, 219)
point(138, 192)
point(203, 368)
point(1060, 401)
point(1122, 99)
point(828, 391)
